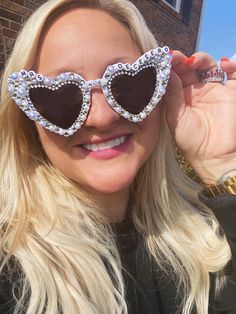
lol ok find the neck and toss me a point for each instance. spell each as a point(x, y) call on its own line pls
point(114, 205)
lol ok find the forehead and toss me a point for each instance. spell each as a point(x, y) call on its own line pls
point(91, 21)
point(80, 34)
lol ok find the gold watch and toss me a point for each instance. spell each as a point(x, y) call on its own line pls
point(227, 187)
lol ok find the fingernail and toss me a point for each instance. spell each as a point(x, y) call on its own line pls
point(190, 60)
point(224, 59)
point(171, 52)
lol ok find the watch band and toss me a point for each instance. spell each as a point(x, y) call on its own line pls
point(227, 187)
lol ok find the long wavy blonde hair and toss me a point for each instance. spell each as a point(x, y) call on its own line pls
point(56, 233)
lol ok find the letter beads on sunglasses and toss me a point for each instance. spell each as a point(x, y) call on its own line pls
point(62, 104)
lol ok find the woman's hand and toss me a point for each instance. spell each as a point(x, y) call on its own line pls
point(202, 116)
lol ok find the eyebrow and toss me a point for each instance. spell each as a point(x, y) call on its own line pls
point(64, 69)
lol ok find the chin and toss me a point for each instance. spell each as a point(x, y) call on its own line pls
point(114, 184)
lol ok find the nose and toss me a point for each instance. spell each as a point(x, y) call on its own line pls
point(101, 115)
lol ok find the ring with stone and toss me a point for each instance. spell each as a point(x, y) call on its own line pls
point(216, 75)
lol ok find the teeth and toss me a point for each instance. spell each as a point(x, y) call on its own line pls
point(106, 145)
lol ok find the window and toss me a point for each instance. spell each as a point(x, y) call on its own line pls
point(174, 4)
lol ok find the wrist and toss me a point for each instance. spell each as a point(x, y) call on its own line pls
point(214, 171)
point(226, 187)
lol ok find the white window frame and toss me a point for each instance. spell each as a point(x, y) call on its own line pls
point(176, 8)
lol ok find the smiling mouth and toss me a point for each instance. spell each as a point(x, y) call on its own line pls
point(106, 145)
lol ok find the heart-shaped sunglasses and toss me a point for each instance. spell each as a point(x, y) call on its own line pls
point(62, 104)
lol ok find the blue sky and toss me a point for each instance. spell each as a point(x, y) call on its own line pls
point(218, 33)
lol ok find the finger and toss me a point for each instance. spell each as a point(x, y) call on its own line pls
point(180, 65)
point(198, 62)
point(202, 62)
point(230, 68)
point(178, 57)
point(174, 101)
point(178, 62)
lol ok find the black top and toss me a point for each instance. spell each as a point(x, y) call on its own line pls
point(149, 290)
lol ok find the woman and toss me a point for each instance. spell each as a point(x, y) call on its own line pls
point(96, 216)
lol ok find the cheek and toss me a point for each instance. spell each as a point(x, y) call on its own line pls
point(54, 145)
point(151, 129)
point(104, 176)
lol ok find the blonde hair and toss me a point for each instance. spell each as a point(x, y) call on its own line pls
point(54, 231)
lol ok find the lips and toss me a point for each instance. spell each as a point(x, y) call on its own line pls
point(106, 145)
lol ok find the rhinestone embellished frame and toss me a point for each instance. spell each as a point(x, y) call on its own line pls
point(20, 83)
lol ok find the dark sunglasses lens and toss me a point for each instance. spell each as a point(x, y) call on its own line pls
point(60, 107)
point(133, 93)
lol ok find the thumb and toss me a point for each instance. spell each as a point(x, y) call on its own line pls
point(174, 101)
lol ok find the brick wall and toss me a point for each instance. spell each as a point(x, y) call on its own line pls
point(12, 16)
point(177, 30)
